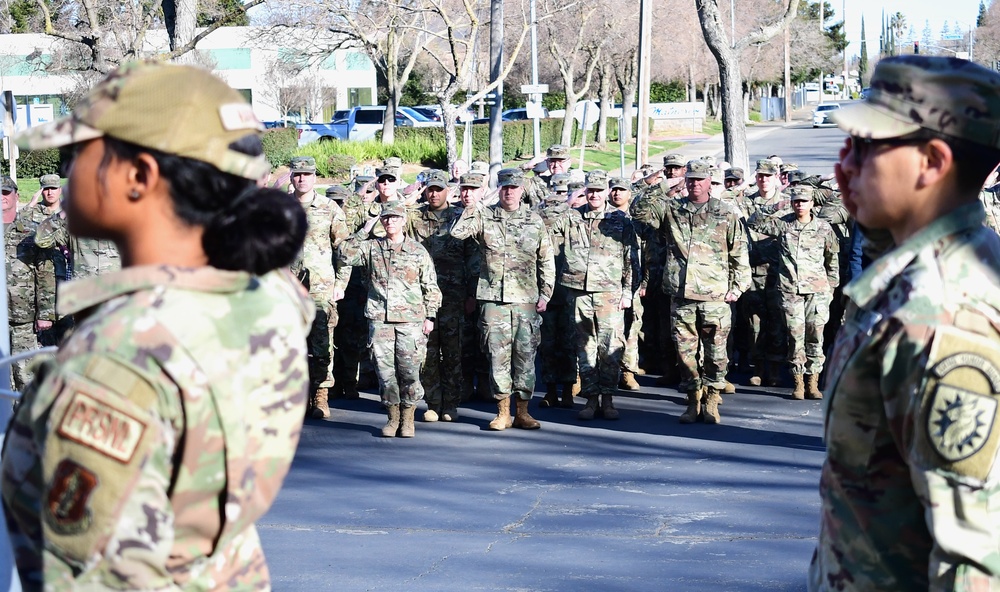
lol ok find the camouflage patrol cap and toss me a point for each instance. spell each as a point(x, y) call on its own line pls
point(597, 179)
point(619, 183)
point(436, 178)
point(674, 160)
point(540, 168)
point(510, 178)
point(557, 152)
point(180, 110)
point(337, 192)
point(393, 208)
point(50, 182)
point(698, 169)
point(302, 164)
point(574, 185)
point(767, 166)
point(717, 176)
point(735, 173)
point(787, 168)
point(471, 180)
point(8, 184)
point(393, 162)
point(796, 177)
point(479, 167)
point(559, 182)
point(800, 193)
point(387, 171)
point(946, 95)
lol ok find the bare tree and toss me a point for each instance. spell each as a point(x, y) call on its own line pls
point(728, 58)
point(575, 43)
point(109, 32)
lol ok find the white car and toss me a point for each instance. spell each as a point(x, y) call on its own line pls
point(821, 116)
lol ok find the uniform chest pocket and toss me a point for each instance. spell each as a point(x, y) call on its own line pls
point(528, 240)
point(493, 237)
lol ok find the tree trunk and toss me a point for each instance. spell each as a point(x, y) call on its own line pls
point(746, 105)
point(604, 91)
point(692, 92)
point(448, 116)
point(568, 121)
point(180, 17)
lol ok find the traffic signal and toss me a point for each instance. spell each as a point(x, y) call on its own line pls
point(916, 47)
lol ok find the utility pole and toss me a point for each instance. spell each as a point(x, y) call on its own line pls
point(642, 133)
point(788, 77)
point(843, 14)
point(496, 71)
point(536, 127)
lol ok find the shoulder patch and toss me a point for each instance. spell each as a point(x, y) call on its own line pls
point(962, 402)
point(99, 425)
point(67, 505)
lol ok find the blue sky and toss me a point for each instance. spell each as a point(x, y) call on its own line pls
point(917, 12)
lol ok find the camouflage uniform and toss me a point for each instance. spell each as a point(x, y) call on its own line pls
point(51, 269)
point(601, 270)
point(558, 354)
point(402, 293)
point(22, 300)
point(990, 198)
point(909, 485)
point(760, 307)
point(441, 375)
point(87, 256)
point(706, 259)
point(808, 271)
point(158, 406)
point(517, 269)
point(316, 270)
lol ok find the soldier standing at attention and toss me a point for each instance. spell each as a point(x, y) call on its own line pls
point(516, 278)
point(194, 352)
point(429, 224)
point(909, 488)
point(706, 270)
point(808, 272)
point(52, 265)
point(314, 268)
point(21, 290)
point(557, 161)
point(475, 367)
point(600, 282)
point(557, 352)
point(621, 199)
point(403, 301)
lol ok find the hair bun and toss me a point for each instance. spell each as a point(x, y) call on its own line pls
point(260, 230)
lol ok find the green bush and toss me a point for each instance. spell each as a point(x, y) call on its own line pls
point(280, 145)
point(34, 163)
point(338, 166)
point(755, 116)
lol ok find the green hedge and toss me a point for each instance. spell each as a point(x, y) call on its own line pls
point(34, 163)
point(280, 145)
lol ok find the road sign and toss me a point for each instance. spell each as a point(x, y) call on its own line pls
point(952, 37)
point(534, 89)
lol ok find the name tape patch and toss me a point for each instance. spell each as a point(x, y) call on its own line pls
point(100, 426)
point(239, 116)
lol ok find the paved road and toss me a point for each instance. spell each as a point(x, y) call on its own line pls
point(643, 503)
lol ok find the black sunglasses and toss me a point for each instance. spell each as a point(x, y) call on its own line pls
point(862, 147)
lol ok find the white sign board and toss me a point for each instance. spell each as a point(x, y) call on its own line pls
point(694, 110)
point(31, 115)
point(534, 89)
point(534, 110)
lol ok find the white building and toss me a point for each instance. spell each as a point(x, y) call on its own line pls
point(282, 75)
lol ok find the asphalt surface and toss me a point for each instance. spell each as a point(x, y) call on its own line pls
point(643, 503)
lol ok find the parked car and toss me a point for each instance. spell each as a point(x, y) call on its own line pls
point(865, 91)
point(463, 116)
point(428, 113)
point(276, 124)
point(519, 114)
point(821, 116)
point(361, 123)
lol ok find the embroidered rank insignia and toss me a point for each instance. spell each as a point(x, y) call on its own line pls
point(67, 506)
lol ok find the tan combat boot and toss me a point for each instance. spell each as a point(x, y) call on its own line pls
point(627, 382)
point(390, 427)
point(812, 387)
point(567, 396)
point(407, 430)
point(694, 407)
point(590, 410)
point(551, 398)
point(711, 409)
point(730, 388)
point(799, 390)
point(608, 407)
point(503, 419)
point(319, 406)
point(431, 415)
point(522, 419)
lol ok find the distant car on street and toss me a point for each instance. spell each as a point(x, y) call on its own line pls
point(361, 123)
point(520, 114)
point(821, 116)
point(864, 92)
